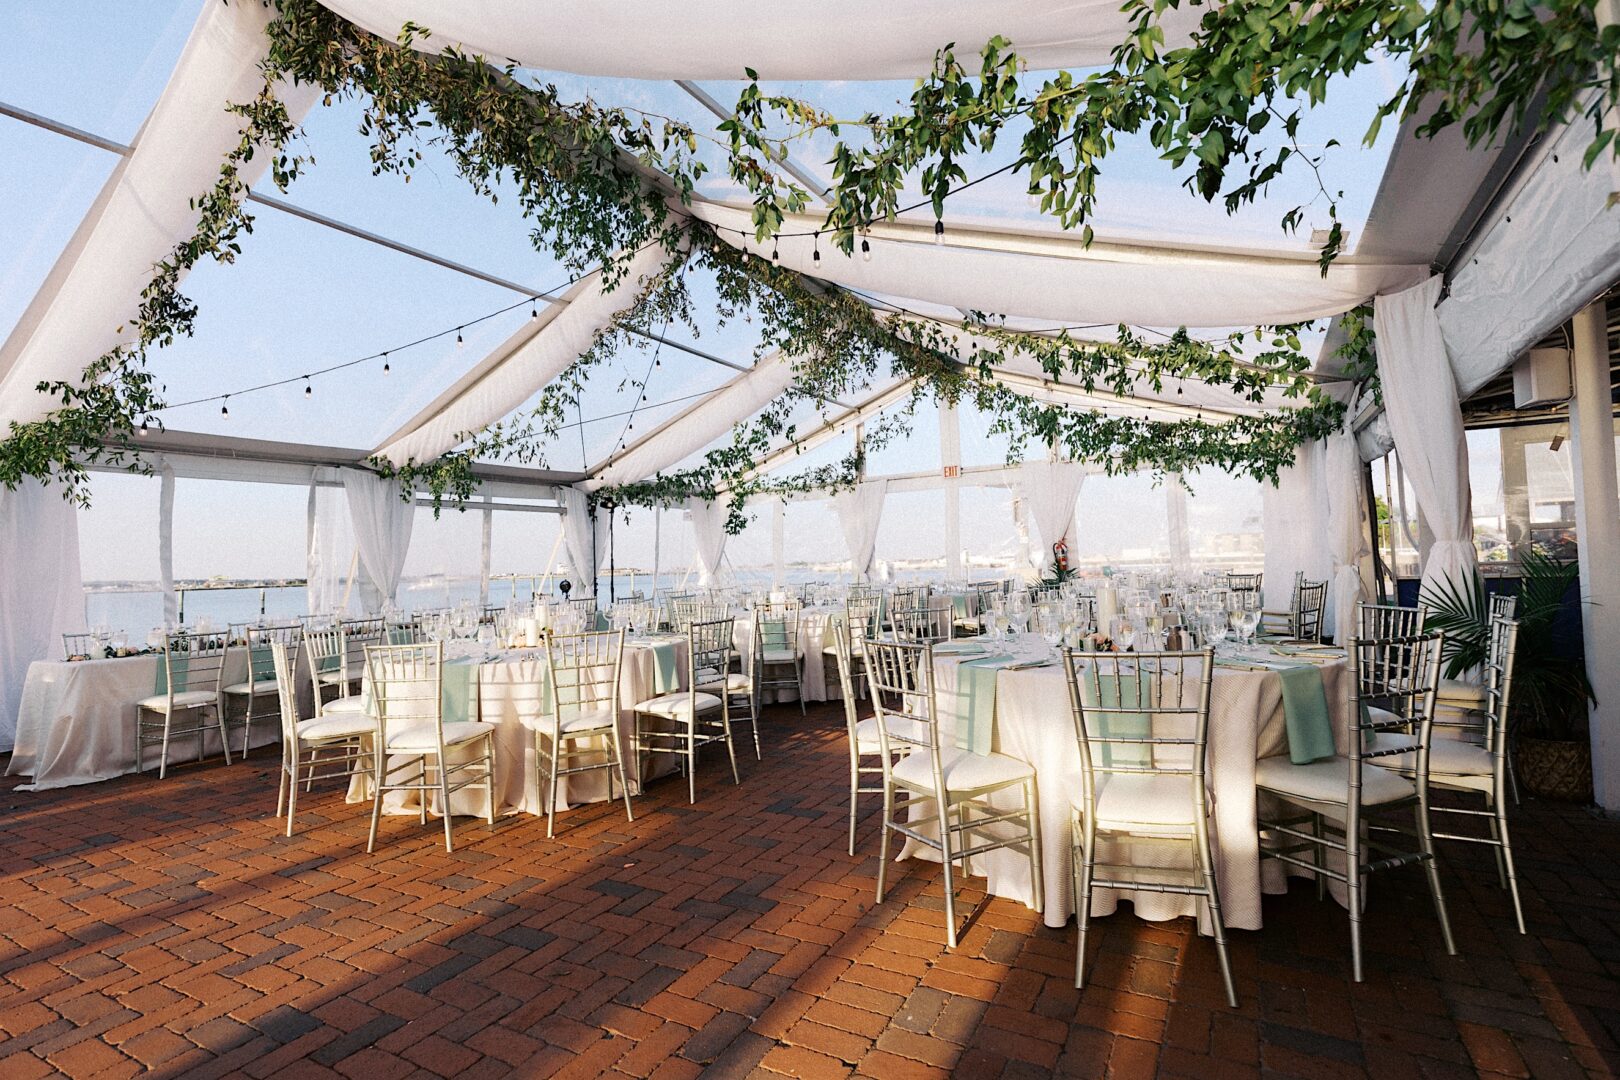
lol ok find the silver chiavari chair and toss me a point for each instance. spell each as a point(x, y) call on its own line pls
point(1245, 583)
point(326, 656)
point(862, 618)
point(865, 742)
point(584, 605)
point(696, 717)
point(694, 609)
point(1393, 685)
point(303, 742)
point(413, 742)
point(1472, 757)
point(192, 665)
point(1142, 722)
point(84, 645)
point(358, 634)
point(1275, 622)
point(776, 661)
point(1376, 621)
point(929, 623)
point(583, 687)
point(946, 786)
point(261, 683)
point(908, 598)
point(1306, 618)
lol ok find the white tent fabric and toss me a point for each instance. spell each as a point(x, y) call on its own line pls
point(1294, 521)
point(143, 210)
point(859, 510)
point(1346, 535)
point(1175, 508)
point(584, 539)
point(330, 553)
point(1420, 399)
point(41, 591)
point(382, 523)
point(1051, 488)
point(708, 538)
point(697, 427)
point(1059, 280)
point(526, 361)
point(171, 602)
point(718, 39)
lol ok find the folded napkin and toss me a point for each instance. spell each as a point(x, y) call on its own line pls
point(1305, 711)
point(1116, 692)
point(666, 673)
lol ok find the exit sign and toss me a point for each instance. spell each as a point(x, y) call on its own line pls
point(952, 470)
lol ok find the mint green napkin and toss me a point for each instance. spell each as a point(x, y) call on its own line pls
point(602, 622)
point(773, 635)
point(976, 692)
point(1305, 711)
point(666, 674)
point(182, 668)
point(959, 605)
point(458, 691)
point(1118, 692)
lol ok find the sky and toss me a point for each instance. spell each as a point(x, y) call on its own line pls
point(302, 297)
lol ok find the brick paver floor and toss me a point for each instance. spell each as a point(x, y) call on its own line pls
point(170, 926)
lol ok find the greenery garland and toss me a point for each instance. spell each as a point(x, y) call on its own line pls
point(599, 183)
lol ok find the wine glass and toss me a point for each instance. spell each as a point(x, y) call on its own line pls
point(1124, 633)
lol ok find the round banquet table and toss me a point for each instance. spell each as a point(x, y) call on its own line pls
point(1033, 722)
point(509, 693)
point(815, 626)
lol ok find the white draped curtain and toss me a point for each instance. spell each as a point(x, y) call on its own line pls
point(171, 602)
point(382, 524)
point(1346, 532)
point(1294, 522)
point(859, 511)
point(1175, 497)
point(584, 539)
point(330, 558)
point(41, 590)
point(1051, 489)
point(708, 538)
point(1420, 399)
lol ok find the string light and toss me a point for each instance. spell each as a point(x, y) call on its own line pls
point(386, 366)
point(459, 342)
point(534, 309)
point(939, 233)
point(309, 390)
point(776, 252)
point(143, 425)
point(225, 407)
point(815, 255)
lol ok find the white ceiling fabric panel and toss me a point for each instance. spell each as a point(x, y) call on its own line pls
point(718, 39)
point(700, 425)
point(144, 208)
point(524, 363)
point(1056, 278)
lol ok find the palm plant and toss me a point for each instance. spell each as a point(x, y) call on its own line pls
point(1550, 688)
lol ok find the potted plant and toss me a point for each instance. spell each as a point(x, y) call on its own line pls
point(1547, 724)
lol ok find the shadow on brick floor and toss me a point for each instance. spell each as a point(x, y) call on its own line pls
point(169, 927)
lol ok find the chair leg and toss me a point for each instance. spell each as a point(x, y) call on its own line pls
point(731, 750)
point(292, 801)
point(1082, 897)
point(281, 793)
point(163, 760)
point(691, 761)
point(624, 783)
point(1353, 886)
point(444, 800)
point(753, 720)
point(1496, 839)
point(224, 735)
point(1036, 869)
point(489, 779)
point(854, 796)
point(946, 859)
point(552, 765)
point(883, 838)
point(379, 770)
point(1431, 866)
point(1506, 851)
point(1206, 868)
point(1319, 857)
point(798, 680)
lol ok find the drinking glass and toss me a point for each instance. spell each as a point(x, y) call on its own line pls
point(1124, 634)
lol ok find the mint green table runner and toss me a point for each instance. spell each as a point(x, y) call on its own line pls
point(959, 605)
point(666, 667)
point(976, 698)
point(1116, 692)
point(1305, 711)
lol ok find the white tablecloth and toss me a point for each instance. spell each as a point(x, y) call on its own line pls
point(820, 668)
point(77, 720)
point(1034, 724)
point(509, 696)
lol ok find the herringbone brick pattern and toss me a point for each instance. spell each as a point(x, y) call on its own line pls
point(169, 927)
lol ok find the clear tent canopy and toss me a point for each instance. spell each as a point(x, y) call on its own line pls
point(362, 264)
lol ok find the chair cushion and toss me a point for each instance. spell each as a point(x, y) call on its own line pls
point(332, 678)
point(678, 706)
point(779, 656)
point(963, 770)
point(868, 741)
point(1143, 800)
point(1457, 692)
point(1450, 757)
point(344, 706)
point(736, 682)
point(420, 737)
point(185, 699)
point(1328, 781)
point(260, 686)
point(573, 721)
point(336, 726)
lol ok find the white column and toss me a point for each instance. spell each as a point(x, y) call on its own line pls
point(950, 461)
point(1597, 527)
point(171, 602)
point(778, 528)
point(483, 557)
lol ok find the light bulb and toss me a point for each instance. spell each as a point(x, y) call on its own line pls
point(143, 425)
point(939, 234)
point(534, 309)
point(866, 249)
point(386, 367)
point(225, 408)
point(459, 342)
point(776, 253)
point(309, 391)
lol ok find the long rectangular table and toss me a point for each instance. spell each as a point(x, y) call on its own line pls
point(1033, 723)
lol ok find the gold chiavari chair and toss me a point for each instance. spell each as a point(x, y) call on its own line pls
point(583, 673)
point(930, 623)
point(192, 665)
point(698, 717)
point(1245, 583)
point(303, 742)
point(1306, 618)
point(1377, 621)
